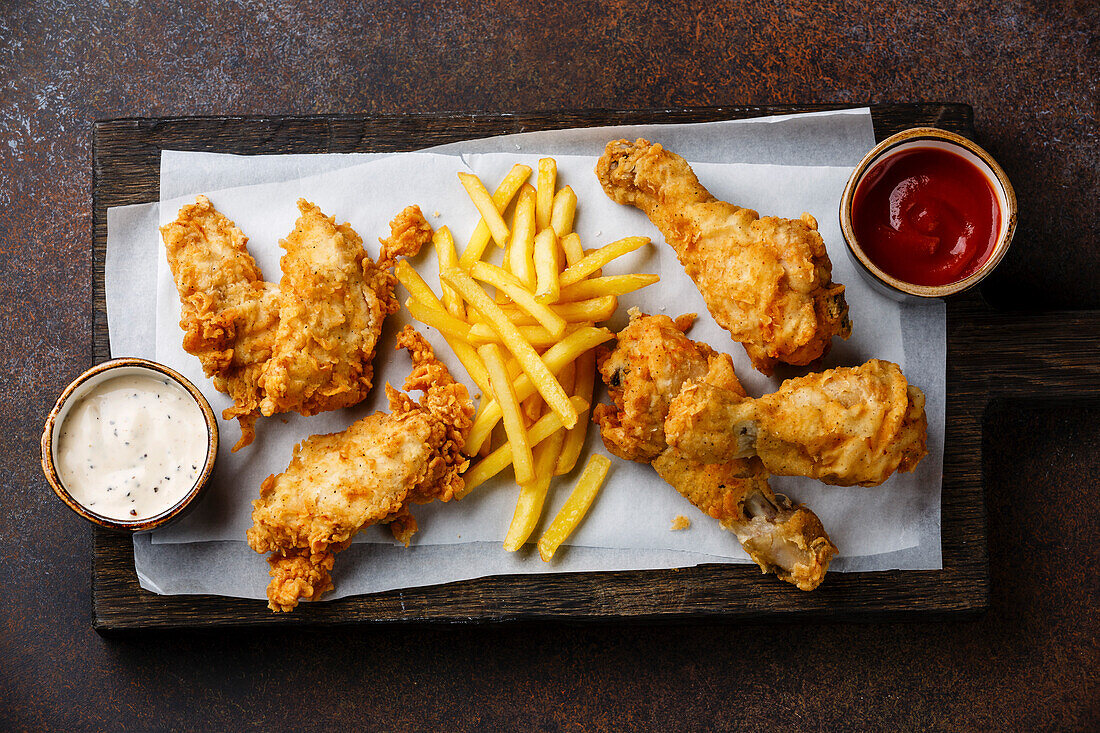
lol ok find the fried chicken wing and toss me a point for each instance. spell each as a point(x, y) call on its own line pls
point(372, 472)
point(229, 314)
point(768, 281)
point(305, 345)
point(845, 426)
point(649, 366)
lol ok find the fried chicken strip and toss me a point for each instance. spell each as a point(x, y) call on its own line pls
point(372, 472)
point(768, 281)
point(649, 366)
point(229, 314)
point(333, 299)
point(845, 426)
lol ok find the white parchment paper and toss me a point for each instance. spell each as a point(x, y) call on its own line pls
point(892, 526)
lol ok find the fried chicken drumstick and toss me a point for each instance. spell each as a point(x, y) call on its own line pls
point(370, 473)
point(305, 345)
point(768, 281)
point(845, 426)
point(651, 363)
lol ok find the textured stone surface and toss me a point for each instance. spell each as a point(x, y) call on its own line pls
point(1030, 70)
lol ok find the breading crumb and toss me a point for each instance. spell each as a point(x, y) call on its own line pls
point(680, 522)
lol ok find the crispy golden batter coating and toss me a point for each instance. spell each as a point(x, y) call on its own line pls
point(333, 299)
point(229, 314)
point(766, 281)
point(845, 426)
point(304, 346)
point(650, 364)
point(372, 472)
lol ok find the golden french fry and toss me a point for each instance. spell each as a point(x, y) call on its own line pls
point(528, 358)
point(537, 336)
point(563, 211)
point(547, 181)
point(598, 258)
point(485, 206)
point(555, 359)
point(416, 285)
point(440, 320)
point(584, 379)
point(571, 245)
point(532, 408)
point(502, 280)
point(547, 265)
point(565, 379)
point(501, 458)
point(532, 496)
point(505, 393)
point(481, 237)
point(595, 287)
point(465, 353)
point(521, 245)
point(576, 312)
point(447, 257)
point(575, 507)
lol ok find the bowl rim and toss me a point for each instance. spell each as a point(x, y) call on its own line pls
point(880, 151)
point(49, 467)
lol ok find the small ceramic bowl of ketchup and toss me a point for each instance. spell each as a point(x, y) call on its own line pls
point(927, 214)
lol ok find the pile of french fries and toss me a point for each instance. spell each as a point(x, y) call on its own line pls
point(530, 346)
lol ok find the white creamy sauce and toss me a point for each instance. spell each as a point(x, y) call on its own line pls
point(132, 447)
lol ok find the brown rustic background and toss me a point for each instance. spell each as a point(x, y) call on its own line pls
point(1030, 70)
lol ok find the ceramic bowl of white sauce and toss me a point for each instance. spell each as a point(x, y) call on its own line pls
point(130, 445)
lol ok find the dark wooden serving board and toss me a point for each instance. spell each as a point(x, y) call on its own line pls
point(989, 353)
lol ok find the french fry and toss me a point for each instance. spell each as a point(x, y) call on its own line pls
point(416, 285)
point(501, 280)
point(547, 181)
point(465, 353)
point(565, 379)
point(596, 287)
point(571, 245)
point(440, 320)
point(532, 409)
point(506, 191)
point(555, 358)
point(485, 206)
point(501, 458)
point(532, 496)
point(521, 246)
point(563, 211)
point(588, 311)
point(525, 354)
point(598, 258)
point(575, 507)
point(505, 392)
point(447, 257)
point(537, 336)
point(547, 265)
point(584, 379)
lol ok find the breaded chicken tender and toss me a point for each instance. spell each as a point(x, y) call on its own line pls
point(846, 426)
point(644, 373)
point(332, 301)
point(372, 472)
point(768, 281)
point(229, 313)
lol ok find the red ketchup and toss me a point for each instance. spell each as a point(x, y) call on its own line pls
point(926, 216)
